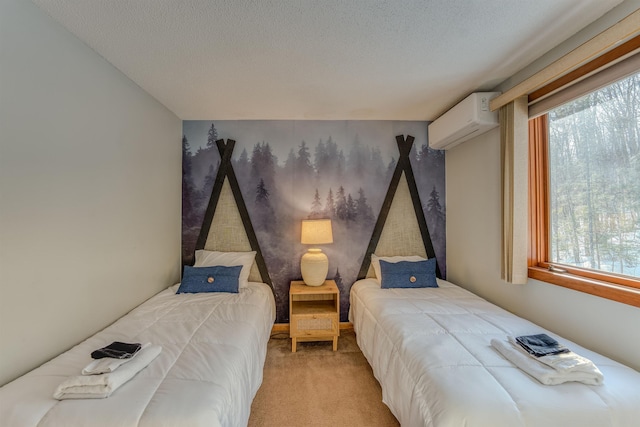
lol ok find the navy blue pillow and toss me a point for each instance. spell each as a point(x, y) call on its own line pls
point(209, 279)
point(408, 274)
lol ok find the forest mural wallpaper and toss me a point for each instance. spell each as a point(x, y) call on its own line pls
point(292, 170)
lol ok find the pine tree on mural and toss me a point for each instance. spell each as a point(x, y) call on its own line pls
point(265, 215)
point(263, 166)
point(189, 219)
point(256, 160)
point(341, 166)
point(342, 210)
point(377, 164)
point(187, 185)
point(186, 156)
point(304, 172)
point(243, 160)
point(364, 213)
point(201, 196)
point(351, 208)
point(290, 164)
point(316, 207)
point(436, 219)
point(201, 163)
point(212, 137)
point(358, 156)
point(344, 294)
point(321, 159)
point(433, 205)
point(242, 168)
point(262, 194)
point(332, 156)
point(330, 205)
point(304, 158)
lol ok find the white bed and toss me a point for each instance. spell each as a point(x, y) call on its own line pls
point(430, 350)
point(209, 370)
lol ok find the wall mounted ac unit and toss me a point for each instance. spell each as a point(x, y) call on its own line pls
point(470, 118)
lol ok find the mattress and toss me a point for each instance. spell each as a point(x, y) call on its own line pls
point(430, 350)
point(210, 368)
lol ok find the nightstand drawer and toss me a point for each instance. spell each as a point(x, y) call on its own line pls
point(314, 325)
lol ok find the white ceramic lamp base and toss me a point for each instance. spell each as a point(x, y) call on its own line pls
point(314, 266)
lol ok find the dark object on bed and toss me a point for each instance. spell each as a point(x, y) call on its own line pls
point(117, 350)
point(541, 345)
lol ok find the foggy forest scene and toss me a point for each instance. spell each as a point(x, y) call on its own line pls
point(292, 170)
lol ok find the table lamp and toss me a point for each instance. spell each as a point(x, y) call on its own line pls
point(314, 264)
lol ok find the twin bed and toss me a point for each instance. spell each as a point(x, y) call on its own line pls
point(430, 349)
point(207, 373)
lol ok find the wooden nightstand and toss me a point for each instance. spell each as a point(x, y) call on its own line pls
point(314, 313)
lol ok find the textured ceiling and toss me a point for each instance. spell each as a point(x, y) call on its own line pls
point(320, 59)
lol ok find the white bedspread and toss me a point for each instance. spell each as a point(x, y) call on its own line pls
point(430, 350)
point(213, 351)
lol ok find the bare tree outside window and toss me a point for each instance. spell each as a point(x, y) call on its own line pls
point(594, 168)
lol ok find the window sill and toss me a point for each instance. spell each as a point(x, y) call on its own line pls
point(612, 291)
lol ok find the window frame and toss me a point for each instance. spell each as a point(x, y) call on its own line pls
point(624, 289)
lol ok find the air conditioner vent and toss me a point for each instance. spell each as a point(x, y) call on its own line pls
point(470, 118)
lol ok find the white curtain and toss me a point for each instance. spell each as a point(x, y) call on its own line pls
point(514, 152)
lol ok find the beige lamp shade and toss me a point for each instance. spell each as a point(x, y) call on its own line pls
point(314, 264)
point(316, 232)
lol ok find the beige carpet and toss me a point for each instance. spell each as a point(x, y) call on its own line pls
point(318, 387)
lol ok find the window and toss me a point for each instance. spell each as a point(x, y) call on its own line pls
point(594, 185)
point(585, 193)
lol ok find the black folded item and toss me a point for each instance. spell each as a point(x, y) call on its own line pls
point(541, 345)
point(117, 350)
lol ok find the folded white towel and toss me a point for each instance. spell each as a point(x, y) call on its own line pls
point(547, 374)
point(108, 364)
point(563, 362)
point(101, 386)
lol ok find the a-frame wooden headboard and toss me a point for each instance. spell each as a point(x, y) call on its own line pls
point(226, 174)
point(403, 166)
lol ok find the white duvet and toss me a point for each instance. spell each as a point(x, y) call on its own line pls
point(210, 368)
point(430, 350)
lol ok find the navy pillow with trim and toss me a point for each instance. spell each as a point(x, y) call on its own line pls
point(408, 274)
point(210, 279)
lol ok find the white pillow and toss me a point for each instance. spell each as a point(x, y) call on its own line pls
point(375, 261)
point(227, 259)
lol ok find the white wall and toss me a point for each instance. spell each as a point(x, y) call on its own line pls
point(90, 182)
